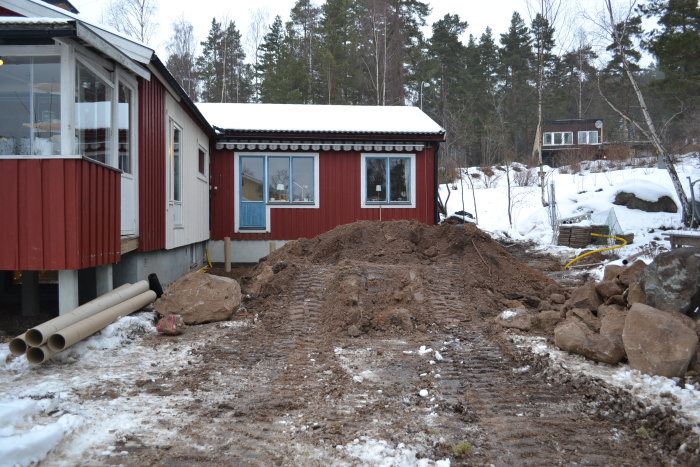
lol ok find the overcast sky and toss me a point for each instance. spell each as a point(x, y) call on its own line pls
point(478, 13)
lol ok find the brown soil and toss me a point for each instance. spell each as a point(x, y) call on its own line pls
point(331, 355)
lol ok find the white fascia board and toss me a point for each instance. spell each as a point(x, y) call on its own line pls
point(37, 8)
point(91, 37)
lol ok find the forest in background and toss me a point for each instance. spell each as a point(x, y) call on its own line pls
point(484, 90)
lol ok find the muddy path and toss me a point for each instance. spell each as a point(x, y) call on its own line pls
point(286, 389)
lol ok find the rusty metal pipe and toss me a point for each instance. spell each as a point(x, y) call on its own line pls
point(76, 332)
point(39, 335)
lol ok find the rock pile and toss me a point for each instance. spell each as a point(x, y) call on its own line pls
point(636, 312)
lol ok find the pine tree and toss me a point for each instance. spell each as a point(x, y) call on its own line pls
point(676, 44)
point(303, 27)
point(516, 74)
point(224, 75)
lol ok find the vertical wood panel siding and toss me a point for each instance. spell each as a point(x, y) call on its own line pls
point(339, 202)
point(58, 214)
point(151, 165)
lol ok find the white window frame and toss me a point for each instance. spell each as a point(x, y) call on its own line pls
point(130, 83)
point(268, 206)
point(387, 204)
point(203, 176)
point(67, 90)
point(553, 136)
point(111, 157)
point(586, 137)
point(175, 203)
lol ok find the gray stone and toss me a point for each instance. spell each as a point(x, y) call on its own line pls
point(659, 342)
point(201, 298)
point(672, 281)
point(574, 336)
point(663, 204)
point(585, 297)
point(607, 289)
point(517, 319)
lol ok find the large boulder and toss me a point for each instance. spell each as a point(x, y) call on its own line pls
point(672, 281)
point(201, 298)
point(546, 320)
point(585, 297)
point(576, 337)
point(630, 200)
point(612, 271)
point(659, 342)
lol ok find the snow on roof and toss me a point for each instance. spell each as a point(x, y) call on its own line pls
point(23, 20)
point(319, 118)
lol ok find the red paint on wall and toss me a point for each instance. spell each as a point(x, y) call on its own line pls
point(151, 165)
point(58, 214)
point(5, 12)
point(339, 201)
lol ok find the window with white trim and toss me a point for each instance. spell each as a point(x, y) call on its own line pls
point(588, 137)
point(290, 179)
point(387, 179)
point(558, 138)
point(30, 99)
point(93, 114)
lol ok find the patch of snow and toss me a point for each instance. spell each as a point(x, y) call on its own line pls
point(423, 393)
point(424, 350)
point(508, 314)
point(652, 390)
point(369, 451)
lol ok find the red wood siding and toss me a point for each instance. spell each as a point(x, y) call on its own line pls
point(339, 200)
point(58, 214)
point(5, 12)
point(151, 165)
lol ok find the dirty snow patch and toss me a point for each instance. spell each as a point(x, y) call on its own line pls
point(380, 453)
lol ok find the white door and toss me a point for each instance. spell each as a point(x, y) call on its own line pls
point(127, 159)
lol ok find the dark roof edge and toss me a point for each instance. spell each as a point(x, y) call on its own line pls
point(315, 134)
point(158, 64)
point(572, 120)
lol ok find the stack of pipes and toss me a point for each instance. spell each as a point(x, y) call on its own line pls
point(53, 336)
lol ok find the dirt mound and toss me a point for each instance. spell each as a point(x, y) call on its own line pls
point(376, 277)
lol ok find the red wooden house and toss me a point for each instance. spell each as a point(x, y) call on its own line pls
point(282, 172)
point(103, 160)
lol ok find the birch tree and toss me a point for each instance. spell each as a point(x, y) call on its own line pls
point(646, 127)
point(135, 18)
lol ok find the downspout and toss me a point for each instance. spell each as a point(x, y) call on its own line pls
point(436, 186)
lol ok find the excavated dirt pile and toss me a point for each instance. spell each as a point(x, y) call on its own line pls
point(378, 275)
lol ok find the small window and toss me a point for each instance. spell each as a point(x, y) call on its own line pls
point(175, 162)
point(558, 138)
point(587, 137)
point(387, 179)
point(202, 162)
point(303, 179)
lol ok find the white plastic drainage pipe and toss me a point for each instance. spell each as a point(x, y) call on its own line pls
point(39, 335)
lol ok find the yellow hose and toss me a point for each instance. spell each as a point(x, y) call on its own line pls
point(624, 242)
point(206, 253)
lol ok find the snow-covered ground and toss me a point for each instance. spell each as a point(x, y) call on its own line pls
point(51, 407)
point(591, 189)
